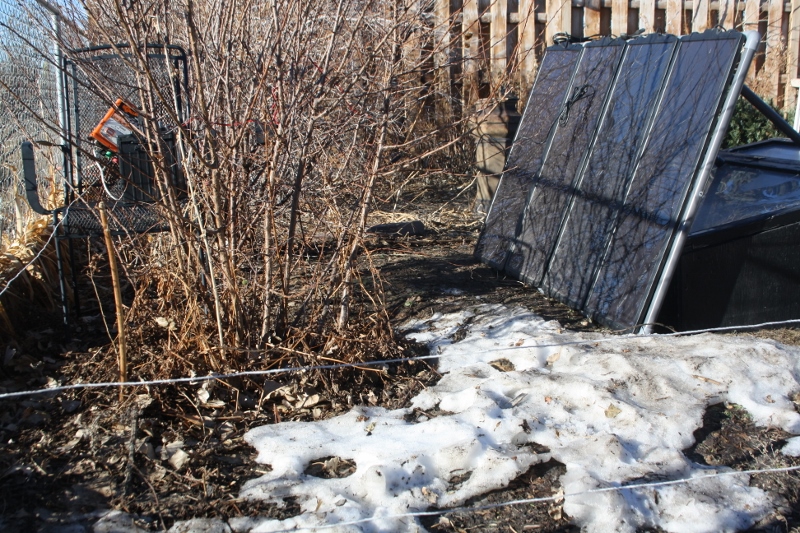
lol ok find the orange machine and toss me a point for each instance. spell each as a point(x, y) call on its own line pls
point(115, 124)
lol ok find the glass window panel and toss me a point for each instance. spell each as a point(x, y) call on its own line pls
point(554, 186)
point(663, 177)
point(609, 169)
point(547, 94)
point(745, 192)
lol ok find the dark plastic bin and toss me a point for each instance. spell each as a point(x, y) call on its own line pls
point(741, 264)
point(136, 169)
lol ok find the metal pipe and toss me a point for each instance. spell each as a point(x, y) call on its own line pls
point(62, 108)
point(62, 280)
point(671, 263)
point(31, 183)
point(65, 160)
point(50, 7)
point(773, 116)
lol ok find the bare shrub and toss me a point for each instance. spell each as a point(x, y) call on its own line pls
point(299, 110)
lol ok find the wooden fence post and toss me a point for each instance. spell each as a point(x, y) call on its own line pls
point(471, 35)
point(412, 53)
point(619, 16)
point(772, 65)
point(675, 17)
point(591, 17)
point(727, 14)
point(750, 19)
point(526, 45)
point(792, 55)
point(647, 15)
point(498, 35)
point(559, 18)
point(700, 15)
point(441, 59)
point(752, 13)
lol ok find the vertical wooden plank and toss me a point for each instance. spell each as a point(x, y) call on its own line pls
point(498, 33)
point(553, 22)
point(772, 65)
point(727, 14)
point(619, 16)
point(471, 44)
point(441, 31)
point(559, 18)
point(526, 30)
point(412, 57)
point(441, 58)
point(647, 15)
point(674, 17)
point(752, 14)
point(566, 16)
point(792, 56)
point(700, 15)
point(591, 18)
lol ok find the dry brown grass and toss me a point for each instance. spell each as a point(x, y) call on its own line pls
point(28, 276)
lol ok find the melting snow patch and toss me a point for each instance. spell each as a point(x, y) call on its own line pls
point(792, 447)
point(615, 412)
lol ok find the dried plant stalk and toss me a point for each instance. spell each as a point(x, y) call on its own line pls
point(298, 112)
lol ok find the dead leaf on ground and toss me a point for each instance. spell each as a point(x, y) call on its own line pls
point(707, 380)
point(309, 401)
point(503, 365)
point(331, 468)
point(430, 495)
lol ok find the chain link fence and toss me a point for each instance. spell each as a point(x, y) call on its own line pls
point(28, 111)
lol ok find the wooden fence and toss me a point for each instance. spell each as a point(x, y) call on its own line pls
point(482, 42)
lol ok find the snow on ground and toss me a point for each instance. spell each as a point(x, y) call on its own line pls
point(613, 411)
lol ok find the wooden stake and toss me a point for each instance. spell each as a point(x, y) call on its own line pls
point(112, 264)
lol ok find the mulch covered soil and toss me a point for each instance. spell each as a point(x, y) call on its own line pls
point(169, 453)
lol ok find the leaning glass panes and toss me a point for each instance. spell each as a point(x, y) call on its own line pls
point(552, 82)
point(555, 182)
point(665, 173)
point(589, 211)
point(610, 168)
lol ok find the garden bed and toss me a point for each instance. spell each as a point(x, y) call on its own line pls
point(174, 452)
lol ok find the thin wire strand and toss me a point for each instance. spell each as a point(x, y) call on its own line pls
point(439, 512)
point(557, 497)
point(274, 371)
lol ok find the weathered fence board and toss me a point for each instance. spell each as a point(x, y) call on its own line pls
point(498, 33)
point(527, 41)
point(792, 51)
point(515, 33)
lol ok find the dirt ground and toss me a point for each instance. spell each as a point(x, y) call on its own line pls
point(163, 456)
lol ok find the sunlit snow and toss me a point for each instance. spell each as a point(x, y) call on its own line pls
point(614, 411)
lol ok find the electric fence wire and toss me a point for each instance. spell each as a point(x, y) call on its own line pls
point(543, 499)
point(383, 362)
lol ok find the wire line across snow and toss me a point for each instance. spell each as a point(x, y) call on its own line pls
point(274, 371)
